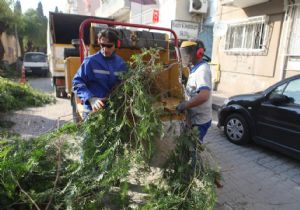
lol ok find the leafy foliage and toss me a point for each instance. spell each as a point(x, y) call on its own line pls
point(14, 96)
point(6, 16)
point(90, 168)
point(31, 166)
point(39, 10)
point(35, 35)
point(187, 179)
point(30, 26)
point(116, 138)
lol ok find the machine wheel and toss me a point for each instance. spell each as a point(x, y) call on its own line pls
point(236, 129)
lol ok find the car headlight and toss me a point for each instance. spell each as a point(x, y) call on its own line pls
point(226, 101)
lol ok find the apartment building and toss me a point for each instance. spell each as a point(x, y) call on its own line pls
point(256, 43)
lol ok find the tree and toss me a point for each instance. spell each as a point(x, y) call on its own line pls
point(39, 10)
point(35, 34)
point(6, 17)
point(18, 8)
point(6, 22)
point(56, 9)
point(19, 30)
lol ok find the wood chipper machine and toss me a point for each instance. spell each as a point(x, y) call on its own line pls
point(133, 37)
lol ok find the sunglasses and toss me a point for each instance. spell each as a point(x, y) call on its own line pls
point(106, 45)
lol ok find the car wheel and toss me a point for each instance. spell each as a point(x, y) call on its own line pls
point(236, 129)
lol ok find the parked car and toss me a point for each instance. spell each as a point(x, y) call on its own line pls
point(36, 63)
point(270, 117)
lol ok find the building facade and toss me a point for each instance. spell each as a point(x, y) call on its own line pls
point(256, 43)
point(187, 18)
point(11, 48)
point(83, 7)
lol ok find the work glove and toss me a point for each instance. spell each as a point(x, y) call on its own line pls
point(97, 103)
point(181, 106)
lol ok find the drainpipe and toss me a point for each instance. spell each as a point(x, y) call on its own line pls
point(210, 20)
point(284, 40)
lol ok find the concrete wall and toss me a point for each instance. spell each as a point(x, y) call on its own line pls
point(83, 7)
point(11, 48)
point(242, 73)
point(291, 61)
point(182, 12)
point(168, 10)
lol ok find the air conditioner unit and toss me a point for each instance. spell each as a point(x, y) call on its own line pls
point(198, 6)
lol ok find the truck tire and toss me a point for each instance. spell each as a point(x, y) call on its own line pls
point(71, 52)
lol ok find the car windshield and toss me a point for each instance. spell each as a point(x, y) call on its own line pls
point(35, 57)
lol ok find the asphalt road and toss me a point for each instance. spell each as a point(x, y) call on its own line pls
point(41, 83)
point(35, 121)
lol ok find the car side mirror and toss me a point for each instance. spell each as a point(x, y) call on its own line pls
point(279, 99)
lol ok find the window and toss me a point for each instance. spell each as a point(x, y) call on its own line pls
point(35, 57)
point(247, 36)
point(294, 46)
point(279, 89)
point(293, 90)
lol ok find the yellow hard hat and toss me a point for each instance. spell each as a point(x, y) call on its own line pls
point(188, 44)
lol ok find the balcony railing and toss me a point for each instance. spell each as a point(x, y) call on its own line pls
point(242, 3)
point(145, 17)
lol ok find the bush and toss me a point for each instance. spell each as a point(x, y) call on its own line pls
point(10, 70)
point(14, 96)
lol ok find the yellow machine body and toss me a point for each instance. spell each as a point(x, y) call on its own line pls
point(71, 66)
point(167, 81)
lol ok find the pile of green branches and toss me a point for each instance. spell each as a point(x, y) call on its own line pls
point(89, 167)
point(14, 96)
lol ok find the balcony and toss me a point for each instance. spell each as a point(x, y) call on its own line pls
point(114, 9)
point(242, 3)
point(144, 17)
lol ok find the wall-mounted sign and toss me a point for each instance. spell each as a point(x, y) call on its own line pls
point(155, 17)
point(185, 29)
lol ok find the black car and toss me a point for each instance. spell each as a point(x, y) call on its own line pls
point(270, 117)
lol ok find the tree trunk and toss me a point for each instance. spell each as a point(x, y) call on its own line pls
point(21, 45)
point(1, 48)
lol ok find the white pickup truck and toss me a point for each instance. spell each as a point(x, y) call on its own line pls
point(36, 63)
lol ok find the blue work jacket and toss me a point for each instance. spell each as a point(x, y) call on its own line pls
point(96, 77)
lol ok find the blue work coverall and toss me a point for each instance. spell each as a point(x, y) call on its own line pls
point(97, 76)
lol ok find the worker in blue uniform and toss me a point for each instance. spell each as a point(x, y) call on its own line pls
point(99, 73)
